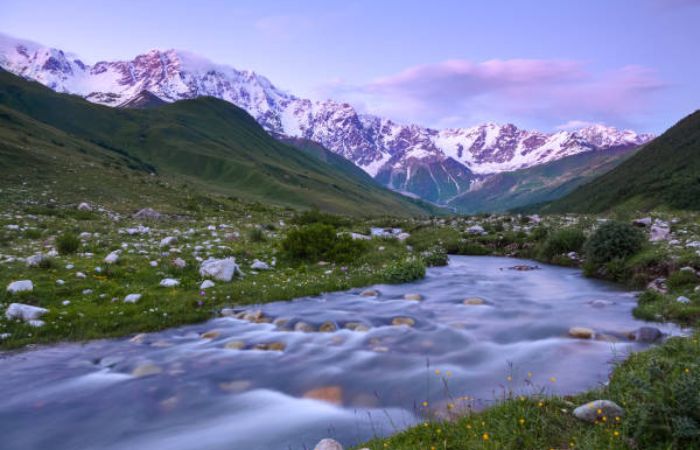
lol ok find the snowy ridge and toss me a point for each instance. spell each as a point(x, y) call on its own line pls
point(377, 145)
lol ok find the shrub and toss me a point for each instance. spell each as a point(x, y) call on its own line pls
point(256, 235)
point(315, 216)
point(437, 256)
point(613, 241)
point(561, 242)
point(405, 270)
point(319, 241)
point(682, 280)
point(67, 243)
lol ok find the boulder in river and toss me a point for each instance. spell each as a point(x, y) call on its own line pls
point(235, 345)
point(145, 370)
point(581, 332)
point(330, 394)
point(271, 346)
point(413, 297)
point(328, 327)
point(328, 444)
point(211, 334)
point(370, 293)
point(407, 321)
point(474, 301)
point(647, 334)
point(303, 327)
point(356, 326)
point(596, 410)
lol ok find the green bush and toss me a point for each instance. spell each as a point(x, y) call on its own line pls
point(561, 242)
point(315, 216)
point(256, 235)
point(681, 280)
point(67, 243)
point(437, 256)
point(405, 270)
point(318, 241)
point(613, 241)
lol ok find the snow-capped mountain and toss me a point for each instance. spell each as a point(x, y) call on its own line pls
point(434, 164)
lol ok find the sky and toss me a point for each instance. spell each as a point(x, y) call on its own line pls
point(542, 64)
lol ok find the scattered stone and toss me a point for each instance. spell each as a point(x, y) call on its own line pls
point(474, 301)
point(84, 207)
point(581, 332)
point(596, 410)
point(524, 268)
point(148, 213)
point(328, 327)
point(80, 275)
point(403, 236)
point(24, 312)
point(413, 297)
point(20, 286)
point(259, 265)
point(356, 326)
point(643, 222)
point(179, 263)
point(687, 269)
point(399, 321)
point(660, 231)
point(36, 323)
point(683, 299)
point(145, 370)
point(475, 229)
point(303, 327)
point(271, 346)
point(65, 302)
point(206, 284)
point(211, 334)
point(220, 269)
point(168, 241)
point(647, 334)
point(658, 285)
point(138, 339)
point(112, 257)
point(370, 293)
point(328, 444)
point(358, 236)
point(132, 298)
point(235, 345)
point(35, 260)
point(169, 282)
point(330, 394)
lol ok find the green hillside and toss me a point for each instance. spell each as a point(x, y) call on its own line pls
point(664, 174)
point(505, 191)
point(205, 145)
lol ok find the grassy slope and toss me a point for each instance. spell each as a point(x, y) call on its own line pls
point(547, 182)
point(206, 143)
point(665, 173)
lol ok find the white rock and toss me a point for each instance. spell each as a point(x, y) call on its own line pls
point(112, 257)
point(220, 269)
point(168, 241)
point(20, 286)
point(475, 229)
point(592, 411)
point(132, 298)
point(60, 282)
point(65, 302)
point(85, 235)
point(36, 323)
point(154, 263)
point(179, 263)
point(358, 236)
point(259, 265)
point(660, 231)
point(683, 299)
point(169, 282)
point(35, 260)
point(80, 275)
point(24, 312)
point(328, 444)
point(403, 236)
point(5, 335)
point(69, 266)
point(84, 207)
point(206, 284)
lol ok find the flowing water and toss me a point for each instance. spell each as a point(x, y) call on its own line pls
point(350, 385)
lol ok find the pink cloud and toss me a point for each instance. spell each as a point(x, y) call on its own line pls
point(547, 91)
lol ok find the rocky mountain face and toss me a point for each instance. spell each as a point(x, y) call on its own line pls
point(436, 165)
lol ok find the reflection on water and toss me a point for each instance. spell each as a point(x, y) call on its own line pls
point(223, 393)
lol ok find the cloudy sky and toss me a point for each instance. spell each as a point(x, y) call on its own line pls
point(544, 64)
